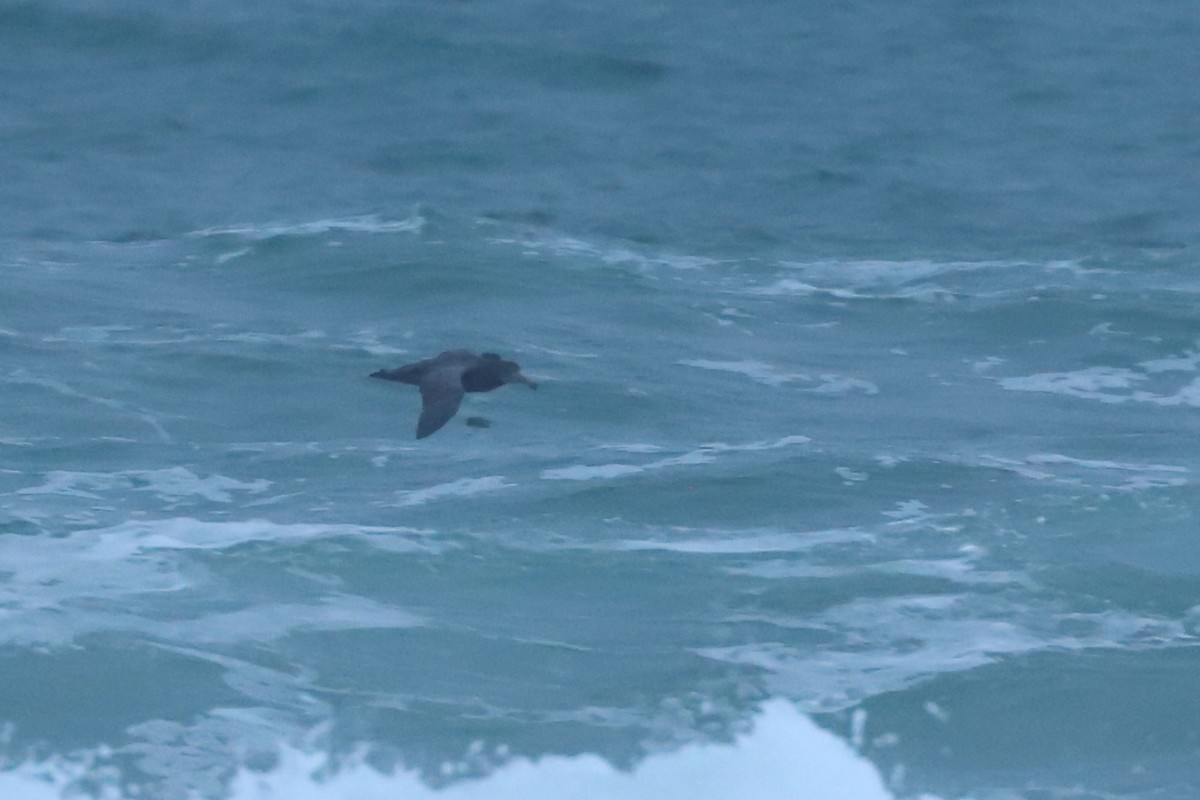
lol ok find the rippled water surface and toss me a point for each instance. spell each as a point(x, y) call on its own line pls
point(862, 461)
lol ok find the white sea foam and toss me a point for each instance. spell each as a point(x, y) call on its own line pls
point(1055, 458)
point(784, 568)
point(839, 384)
point(889, 662)
point(258, 337)
point(463, 487)
point(745, 542)
point(704, 454)
point(1106, 329)
point(536, 242)
point(1188, 395)
point(849, 475)
point(919, 280)
point(762, 444)
point(790, 287)
point(172, 484)
point(987, 364)
point(962, 570)
point(1015, 466)
point(755, 370)
point(891, 273)
point(232, 254)
point(1188, 362)
point(908, 510)
point(631, 448)
point(1119, 384)
point(768, 375)
point(271, 621)
point(171, 337)
point(371, 223)
point(892, 643)
point(785, 755)
point(1093, 383)
point(1079, 471)
point(865, 280)
point(86, 334)
point(588, 473)
point(94, 573)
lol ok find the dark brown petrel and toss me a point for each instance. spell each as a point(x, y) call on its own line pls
point(446, 377)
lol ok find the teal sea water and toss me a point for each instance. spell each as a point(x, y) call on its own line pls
point(863, 462)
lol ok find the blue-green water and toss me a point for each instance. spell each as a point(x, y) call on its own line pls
point(863, 462)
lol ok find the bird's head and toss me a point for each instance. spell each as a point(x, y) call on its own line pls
point(515, 375)
point(509, 371)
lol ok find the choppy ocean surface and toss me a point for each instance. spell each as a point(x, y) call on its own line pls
point(863, 464)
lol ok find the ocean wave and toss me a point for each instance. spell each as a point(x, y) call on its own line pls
point(704, 454)
point(463, 487)
point(95, 573)
point(782, 754)
point(894, 643)
point(369, 223)
point(171, 484)
point(759, 372)
point(1105, 384)
point(564, 246)
point(1106, 474)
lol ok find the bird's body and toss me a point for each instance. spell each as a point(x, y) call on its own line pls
point(444, 379)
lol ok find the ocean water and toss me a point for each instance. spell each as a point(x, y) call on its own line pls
point(863, 462)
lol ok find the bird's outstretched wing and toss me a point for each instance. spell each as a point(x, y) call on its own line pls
point(441, 395)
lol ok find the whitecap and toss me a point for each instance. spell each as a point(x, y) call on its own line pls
point(838, 384)
point(93, 574)
point(704, 454)
point(1188, 395)
point(1093, 383)
point(891, 272)
point(463, 487)
point(537, 242)
point(987, 364)
point(1055, 458)
point(783, 755)
point(790, 287)
point(755, 370)
point(719, 542)
point(370, 223)
point(631, 448)
point(849, 475)
point(962, 570)
point(171, 484)
point(271, 621)
point(1071, 471)
point(588, 473)
point(1189, 362)
point(1117, 384)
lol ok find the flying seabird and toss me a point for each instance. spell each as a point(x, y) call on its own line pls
point(444, 378)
